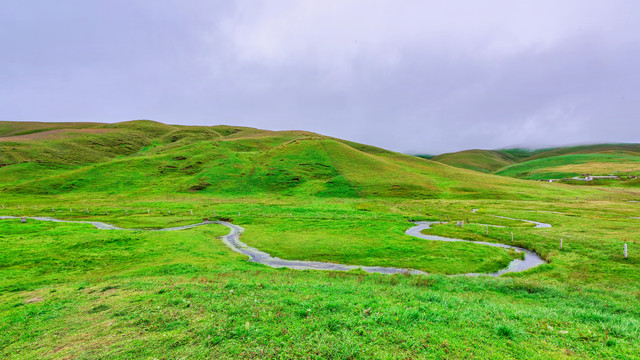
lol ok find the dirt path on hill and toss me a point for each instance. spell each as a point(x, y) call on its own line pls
point(232, 240)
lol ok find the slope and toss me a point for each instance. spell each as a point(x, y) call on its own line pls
point(479, 160)
point(153, 158)
point(554, 163)
point(563, 166)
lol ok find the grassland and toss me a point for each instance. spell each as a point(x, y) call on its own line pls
point(623, 164)
point(72, 291)
point(558, 163)
point(486, 161)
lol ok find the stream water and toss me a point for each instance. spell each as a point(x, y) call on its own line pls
point(232, 240)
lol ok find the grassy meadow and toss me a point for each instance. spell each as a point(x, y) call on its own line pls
point(622, 164)
point(556, 163)
point(73, 291)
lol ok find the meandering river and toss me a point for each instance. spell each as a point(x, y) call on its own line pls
point(232, 240)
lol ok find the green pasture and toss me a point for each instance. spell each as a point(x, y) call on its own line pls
point(70, 291)
point(535, 169)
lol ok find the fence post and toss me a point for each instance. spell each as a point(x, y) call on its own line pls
point(512, 236)
point(625, 250)
point(191, 212)
point(560, 243)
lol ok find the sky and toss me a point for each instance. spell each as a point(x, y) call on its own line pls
point(421, 76)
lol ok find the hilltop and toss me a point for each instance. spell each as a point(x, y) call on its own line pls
point(153, 158)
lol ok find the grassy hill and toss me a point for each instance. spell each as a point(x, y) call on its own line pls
point(478, 160)
point(584, 149)
point(146, 156)
point(555, 163)
point(563, 166)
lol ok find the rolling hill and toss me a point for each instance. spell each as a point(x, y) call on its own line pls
point(150, 157)
point(479, 160)
point(557, 163)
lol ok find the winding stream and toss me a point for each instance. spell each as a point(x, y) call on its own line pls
point(531, 259)
point(232, 240)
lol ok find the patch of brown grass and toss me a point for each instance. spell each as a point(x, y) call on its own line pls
point(53, 134)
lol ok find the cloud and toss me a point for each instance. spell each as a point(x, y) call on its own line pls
point(415, 76)
point(337, 33)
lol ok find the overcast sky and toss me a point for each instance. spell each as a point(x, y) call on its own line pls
point(412, 76)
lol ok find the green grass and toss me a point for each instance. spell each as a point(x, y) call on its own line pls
point(341, 241)
point(16, 128)
point(75, 291)
point(541, 169)
point(72, 291)
point(154, 158)
point(89, 252)
point(553, 163)
point(478, 160)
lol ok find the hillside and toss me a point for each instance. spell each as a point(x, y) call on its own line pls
point(571, 165)
point(584, 149)
point(150, 157)
point(477, 160)
point(555, 163)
